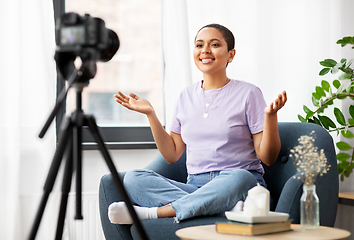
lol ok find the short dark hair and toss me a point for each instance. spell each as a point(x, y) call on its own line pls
point(226, 33)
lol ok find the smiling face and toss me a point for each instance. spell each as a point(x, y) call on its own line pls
point(211, 53)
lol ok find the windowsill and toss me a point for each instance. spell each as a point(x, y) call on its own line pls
point(121, 145)
point(346, 198)
point(121, 138)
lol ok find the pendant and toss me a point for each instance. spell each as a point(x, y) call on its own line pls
point(205, 115)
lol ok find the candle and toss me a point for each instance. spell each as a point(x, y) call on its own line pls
point(257, 201)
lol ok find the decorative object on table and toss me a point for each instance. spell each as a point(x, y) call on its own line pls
point(255, 209)
point(257, 201)
point(310, 163)
point(252, 229)
point(325, 95)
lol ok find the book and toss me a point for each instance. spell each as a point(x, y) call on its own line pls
point(252, 229)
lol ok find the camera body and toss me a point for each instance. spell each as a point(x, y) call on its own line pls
point(86, 37)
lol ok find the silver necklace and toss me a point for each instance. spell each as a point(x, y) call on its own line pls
point(207, 104)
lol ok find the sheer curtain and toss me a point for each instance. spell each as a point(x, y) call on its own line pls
point(27, 94)
point(278, 44)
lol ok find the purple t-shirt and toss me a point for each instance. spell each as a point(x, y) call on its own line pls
point(223, 140)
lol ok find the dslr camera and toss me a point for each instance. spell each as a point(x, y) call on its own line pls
point(85, 36)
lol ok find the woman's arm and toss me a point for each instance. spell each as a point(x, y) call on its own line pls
point(267, 143)
point(171, 146)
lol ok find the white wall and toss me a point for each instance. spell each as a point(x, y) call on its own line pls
point(94, 166)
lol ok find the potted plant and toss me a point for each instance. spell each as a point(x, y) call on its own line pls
point(325, 95)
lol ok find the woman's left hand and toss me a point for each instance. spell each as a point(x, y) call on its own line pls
point(277, 104)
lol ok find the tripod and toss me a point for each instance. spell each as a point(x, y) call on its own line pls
point(70, 142)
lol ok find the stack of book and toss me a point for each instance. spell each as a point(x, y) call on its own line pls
point(240, 223)
point(252, 229)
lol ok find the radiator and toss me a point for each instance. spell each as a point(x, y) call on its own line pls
point(89, 228)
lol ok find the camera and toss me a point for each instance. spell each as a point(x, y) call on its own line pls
point(85, 36)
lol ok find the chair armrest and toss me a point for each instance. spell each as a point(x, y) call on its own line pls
point(108, 195)
point(176, 171)
point(289, 199)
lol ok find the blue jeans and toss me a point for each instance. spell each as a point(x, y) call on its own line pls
point(203, 194)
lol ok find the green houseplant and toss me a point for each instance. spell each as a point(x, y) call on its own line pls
point(325, 95)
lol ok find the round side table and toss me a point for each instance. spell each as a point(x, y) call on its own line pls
point(208, 232)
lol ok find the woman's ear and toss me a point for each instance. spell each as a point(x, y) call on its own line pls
point(232, 54)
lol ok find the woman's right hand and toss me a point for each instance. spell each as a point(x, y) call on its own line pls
point(134, 103)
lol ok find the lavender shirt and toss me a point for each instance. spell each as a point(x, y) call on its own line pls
point(223, 140)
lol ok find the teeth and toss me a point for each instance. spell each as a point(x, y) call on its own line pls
point(207, 60)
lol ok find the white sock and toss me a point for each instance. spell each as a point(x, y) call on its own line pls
point(118, 213)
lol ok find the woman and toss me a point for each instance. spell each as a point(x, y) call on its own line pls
point(226, 129)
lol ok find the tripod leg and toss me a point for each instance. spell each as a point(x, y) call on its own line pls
point(117, 181)
point(67, 178)
point(52, 174)
point(77, 158)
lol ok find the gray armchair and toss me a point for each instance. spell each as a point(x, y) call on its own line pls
point(285, 191)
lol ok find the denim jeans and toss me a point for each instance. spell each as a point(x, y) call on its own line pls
point(203, 194)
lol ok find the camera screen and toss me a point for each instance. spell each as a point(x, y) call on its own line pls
point(72, 35)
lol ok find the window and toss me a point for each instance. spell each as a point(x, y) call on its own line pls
point(136, 67)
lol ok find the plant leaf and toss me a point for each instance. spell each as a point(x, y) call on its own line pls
point(351, 110)
point(347, 134)
point(349, 86)
point(301, 118)
point(348, 171)
point(320, 91)
point(340, 89)
point(339, 116)
point(342, 156)
point(336, 83)
point(316, 96)
point(351, 121)
point(344, 164)
point(323, 121)
point(325, 85)
point(340, 168)
point(328, 63)
point(307, 110)
point(346, 40)
point(328, 121)
point(315, 101)
point(324, 71)
point(310, 120)
point(343, 146)
point(335, 70)
point(345, 76)
point(315, 119)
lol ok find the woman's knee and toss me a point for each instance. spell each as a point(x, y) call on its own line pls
point(242, 177)
point(134, 179)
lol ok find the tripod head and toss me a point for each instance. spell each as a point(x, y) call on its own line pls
point(79, 77)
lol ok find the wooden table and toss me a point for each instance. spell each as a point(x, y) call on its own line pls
point(208, 232)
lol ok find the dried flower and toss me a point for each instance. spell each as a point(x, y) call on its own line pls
point(308, 160)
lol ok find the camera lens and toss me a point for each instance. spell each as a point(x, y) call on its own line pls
point(112, 47)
